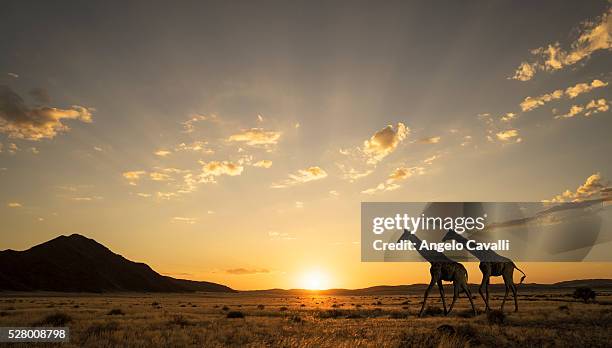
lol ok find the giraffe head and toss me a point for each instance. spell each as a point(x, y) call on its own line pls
point(451, 234)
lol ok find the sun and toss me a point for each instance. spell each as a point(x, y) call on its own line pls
point(314, 280)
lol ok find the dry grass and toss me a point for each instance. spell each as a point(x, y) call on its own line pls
point(293, 321)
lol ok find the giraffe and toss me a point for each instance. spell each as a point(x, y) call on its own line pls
point(491, 265)
point(442, 268)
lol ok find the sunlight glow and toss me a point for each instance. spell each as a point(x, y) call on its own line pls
point(315, 280)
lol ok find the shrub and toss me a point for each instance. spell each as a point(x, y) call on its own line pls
point(225, 308)
point(154, 304)
point(283, 308)
point(100, 329)
point(585, 294)
point(564, 308)
point(446, 329)
point(235, 315)
point(56, 319)
point(260, 306)
point(296, 319)
point(433, 310)
point(115, 311)
point(179, 320)
point(496, 317)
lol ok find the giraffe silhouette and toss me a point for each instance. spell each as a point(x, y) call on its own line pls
point(442, 269)
point(491, 265)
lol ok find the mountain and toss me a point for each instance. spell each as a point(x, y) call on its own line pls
point(413, 289)
point(79, 264)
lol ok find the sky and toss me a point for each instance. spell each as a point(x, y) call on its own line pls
point(234, 141)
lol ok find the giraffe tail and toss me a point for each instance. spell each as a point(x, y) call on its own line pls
point(524, 275)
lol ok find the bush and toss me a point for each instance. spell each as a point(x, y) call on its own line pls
point(179, 320)
point(496, 317)
point(100, 329)
point(585, 294)
point(433, 311)
point(564, 309)
point(56, 319)
point(260, 306)
point(115, 311)
point(283, 308)
point(225, 308)
point(235, 315)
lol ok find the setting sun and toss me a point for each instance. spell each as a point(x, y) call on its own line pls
point(315, 280)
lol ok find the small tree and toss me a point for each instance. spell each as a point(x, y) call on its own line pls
point(584, 294)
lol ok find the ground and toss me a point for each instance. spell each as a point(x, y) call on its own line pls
point(175, 320)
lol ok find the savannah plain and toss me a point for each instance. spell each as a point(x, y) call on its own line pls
point(257, 319)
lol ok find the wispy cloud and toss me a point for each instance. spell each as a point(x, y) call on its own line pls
point(591, 108)
point(14, 205)
point(531, 103)
point(302, 176)
point(134, 176)
point(247, 271)
point(184, 220)
point(594, 36)
point(256, 137)
point(393, 180)
point(263, 164)
point(430, 140)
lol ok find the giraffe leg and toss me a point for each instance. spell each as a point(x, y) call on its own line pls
point(455, 295)
point(484, 285)
point(505, 296)
point(441, 287)
point(469, 296)
point(513, 288)
point(431, 284)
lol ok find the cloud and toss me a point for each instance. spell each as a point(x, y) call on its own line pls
point(134, 176)
point(86, 199)
point(22, 122)
point(263, 164)
point(280, 236)
point(397, 175)
point(384, 142)
point(299, 204)
point(14, 205)
point(13, 75)
point(508, 135)
point(189, 125)
point(302, 176)
point(334, 193)
point(593, 186)
point(162, 153)
point(256, 137)
point(246, 271)
point(509, 116)
point(530, 103)
point(196, 146)
point(430, 140)
point(594, 36)
point(216, 168)
point(185, 220)
point(591, 108)
point(156, 176)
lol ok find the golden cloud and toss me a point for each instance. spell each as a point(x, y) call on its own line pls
point(256, 136)
point(530, 103)
point(593, 186)
point(133, 176)
point(14, 205)
point(430, 140)
point(396, 176)
point(213, 169)
point(591, 108)
point(302, 176)
point(22, 122)
point(508, 135)
point(594, 36)
point(384, 142)
point(263, 164)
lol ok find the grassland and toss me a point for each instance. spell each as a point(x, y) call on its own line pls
point(247, 319)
